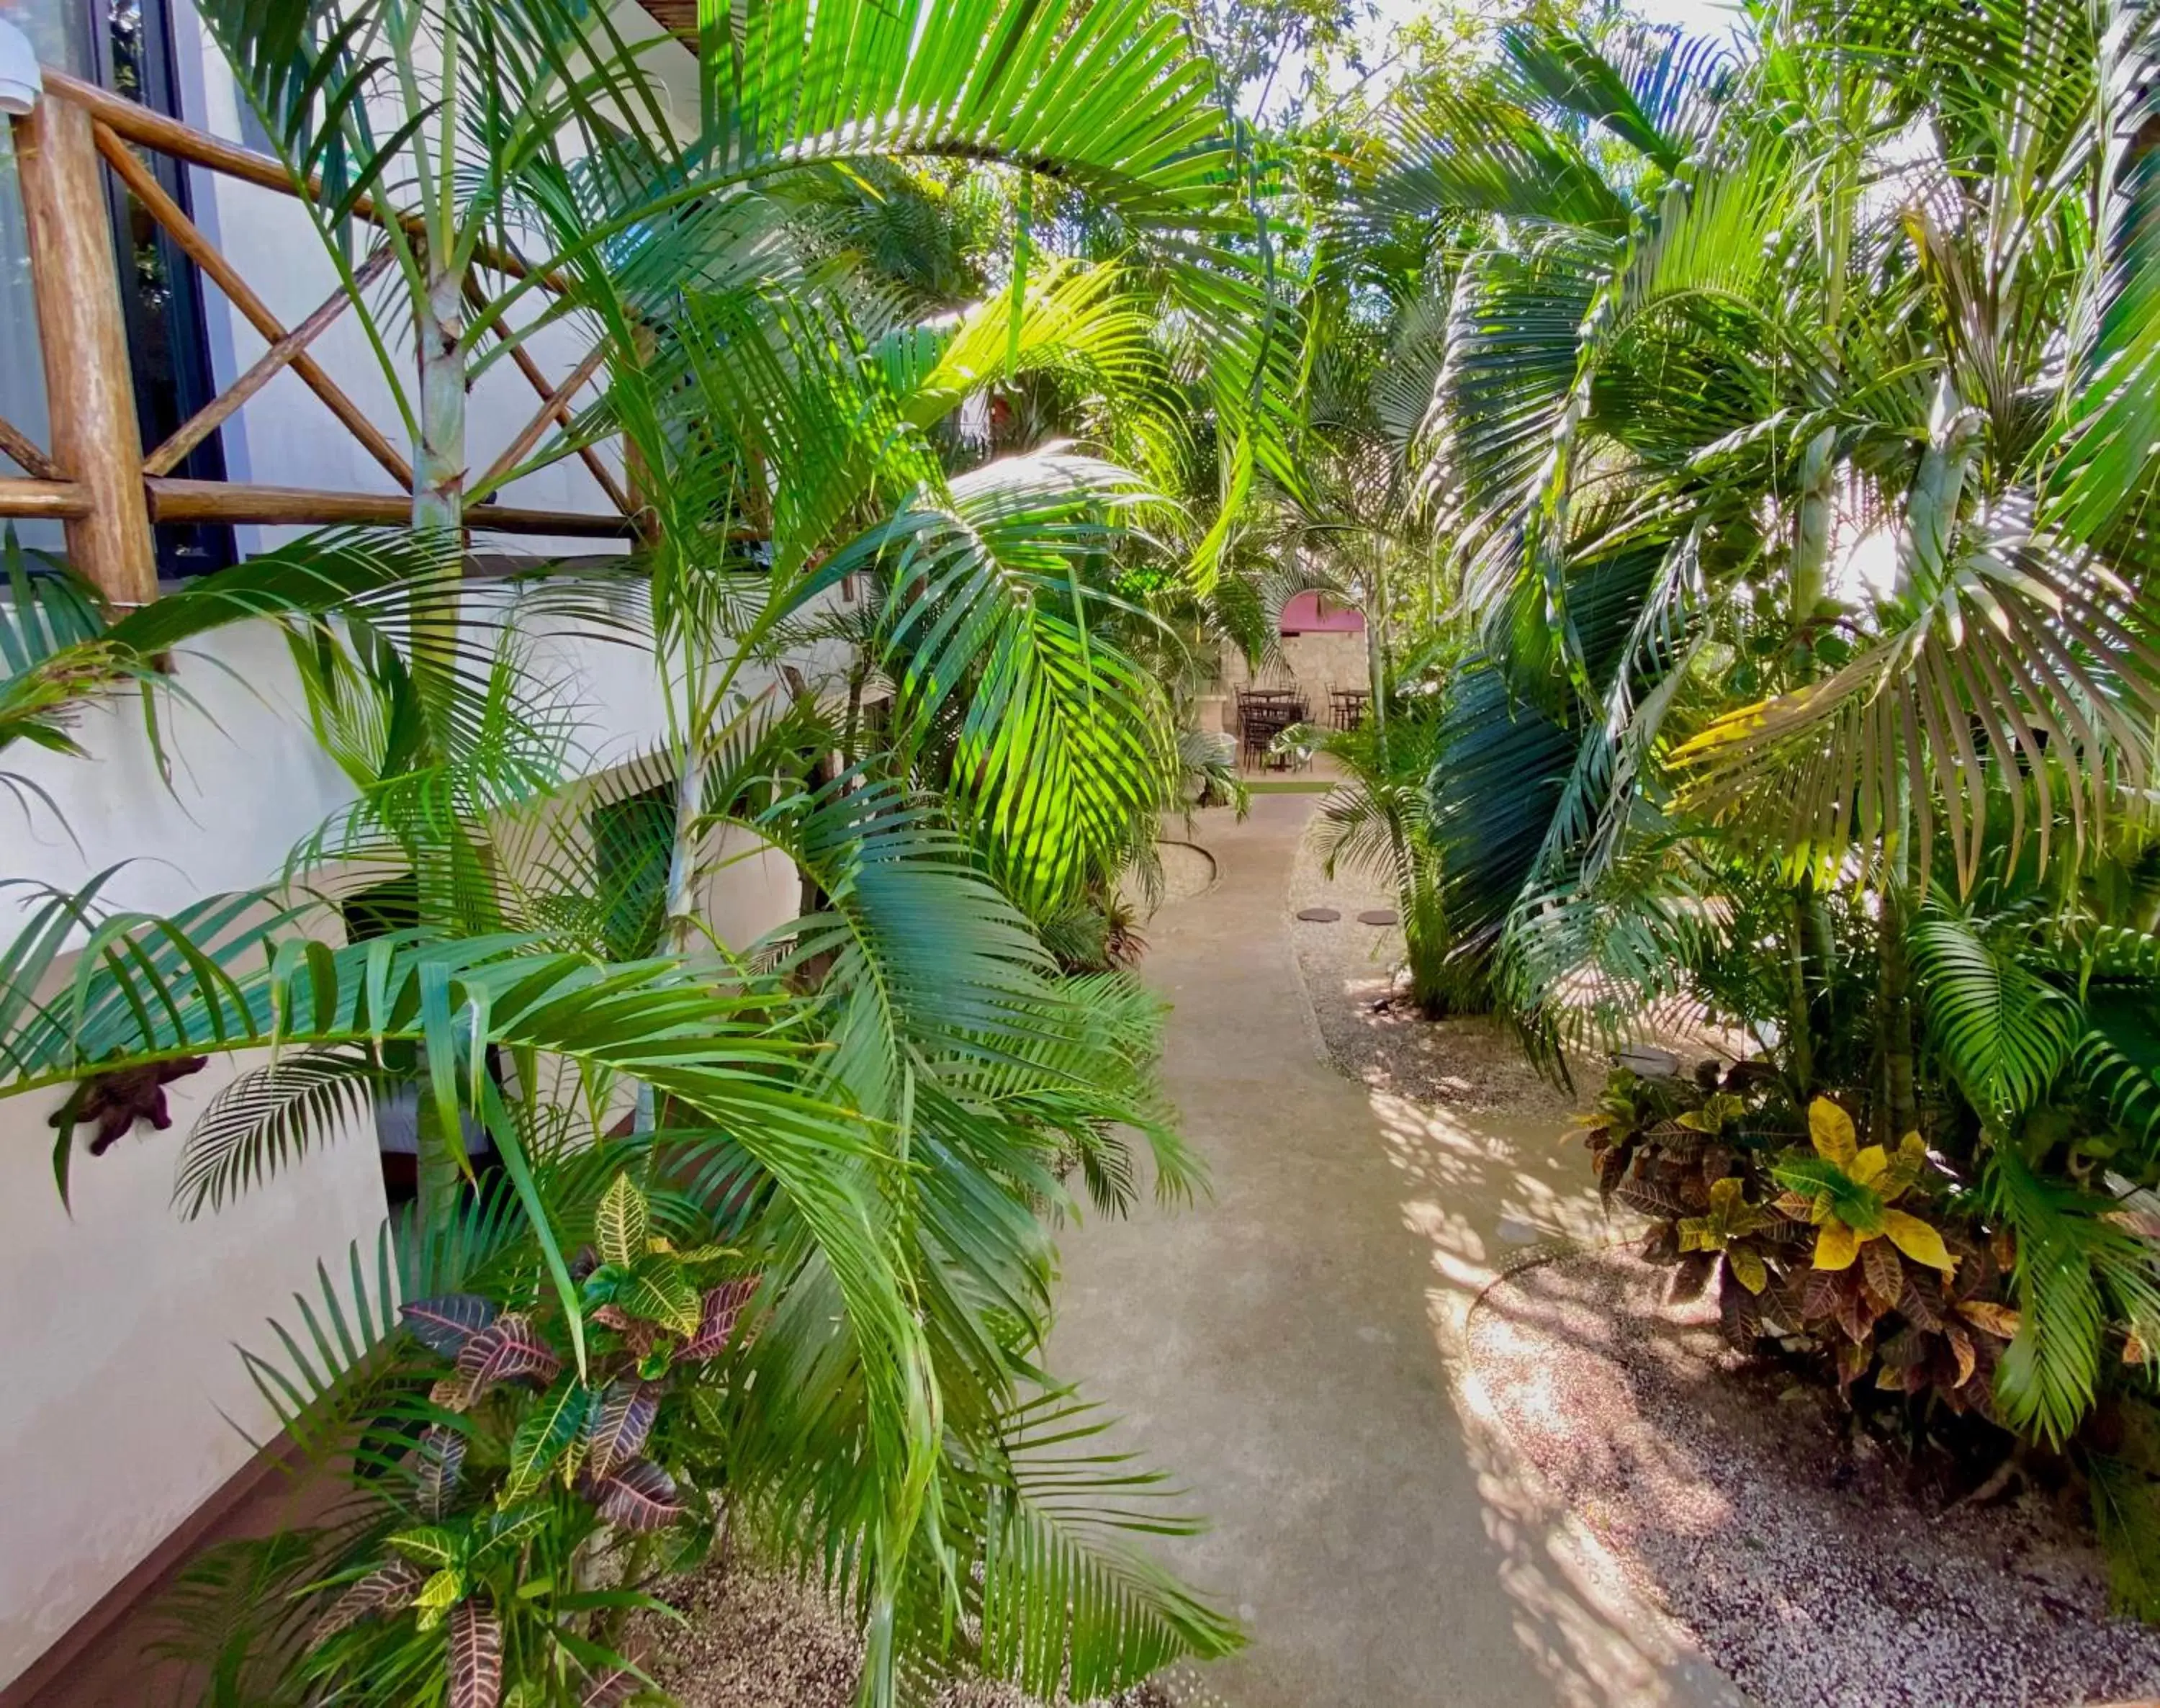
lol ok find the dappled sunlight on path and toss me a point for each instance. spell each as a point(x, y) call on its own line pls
point(1467, 1174)
point(1290, 1351)
point(1485, 1194)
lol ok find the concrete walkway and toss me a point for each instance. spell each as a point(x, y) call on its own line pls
point(1286, 1350)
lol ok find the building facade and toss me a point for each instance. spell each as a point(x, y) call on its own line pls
point(119, 1319)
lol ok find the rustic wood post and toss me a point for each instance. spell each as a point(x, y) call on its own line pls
point(89, 391)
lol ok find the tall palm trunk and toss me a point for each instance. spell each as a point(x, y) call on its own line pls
point(1811, 547)
point(438, 464)
point(683, 855)
point(1800, 1047)
point(439, 480)
point(438, 474)
point(1894, 1021)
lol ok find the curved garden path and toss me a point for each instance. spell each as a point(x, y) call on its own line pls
point(1287, 1350)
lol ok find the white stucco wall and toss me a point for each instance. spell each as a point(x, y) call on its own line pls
point(120, 1323)
point(123, 1389)
point(125, 1400)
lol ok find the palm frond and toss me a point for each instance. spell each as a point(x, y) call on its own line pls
point(1063, 1600)
point(2024, 669)
point(2075, 1271)
point(1063, 741)
point(2005, 1033)
point(267, 1119)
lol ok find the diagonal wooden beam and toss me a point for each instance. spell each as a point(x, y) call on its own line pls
point(602, 476)
point(23, 449)
point(199, 249)
point(554, 407)
point(267, 366)
point(168, 136)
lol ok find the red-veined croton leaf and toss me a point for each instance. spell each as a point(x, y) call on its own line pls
point(638, 1497)
point(508, 1349)
point(438, 1463)
point(723, 1306)
point(475, 1655)
point(446, 1323)
point(384, 1590)
point(616, 1427)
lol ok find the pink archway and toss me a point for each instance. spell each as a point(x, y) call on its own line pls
point(1313, 613)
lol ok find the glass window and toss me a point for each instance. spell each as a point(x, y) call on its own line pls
point(50, 25)
point(22, 367)
point(160, 292)
point(126, 45)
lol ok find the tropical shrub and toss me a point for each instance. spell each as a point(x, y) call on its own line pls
point(541, 1456)
point(1926, 1284)
point(1856, 1256)
point(1790, 428)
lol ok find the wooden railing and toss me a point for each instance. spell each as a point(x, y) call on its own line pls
point(97, 478)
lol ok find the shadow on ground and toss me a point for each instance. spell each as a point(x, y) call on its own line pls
point(1291, 1350)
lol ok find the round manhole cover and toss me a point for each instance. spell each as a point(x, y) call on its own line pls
point(1378, 916)
point(1320, 916)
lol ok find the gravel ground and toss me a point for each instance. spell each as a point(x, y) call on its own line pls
point(1471, 1064)
point(754, 1640)
point(1725, 1493)
point(1811, 1574)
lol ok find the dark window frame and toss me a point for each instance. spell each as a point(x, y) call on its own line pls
point(168, 336)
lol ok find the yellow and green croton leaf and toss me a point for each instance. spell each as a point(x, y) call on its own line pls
point(438, 1595)
point(1847, 1191)
point(1716, 1110)
point(658, 1290)
point(1726, 1227)
point(622, 1223)
point(544, 1437)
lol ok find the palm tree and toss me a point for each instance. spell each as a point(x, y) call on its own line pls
point(1877, 290)
point(889, 1395)
point(1607, 409)
point(874, 1110)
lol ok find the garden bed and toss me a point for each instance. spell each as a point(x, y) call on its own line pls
point(749, 1639)
point(1801, 1559)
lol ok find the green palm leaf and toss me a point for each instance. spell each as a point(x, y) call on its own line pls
point(1064, 1599)
point(2023, 667)
point(2076, 1270)
point(2005, 1032)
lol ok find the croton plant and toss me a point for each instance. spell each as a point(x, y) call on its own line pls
point(537, 1486)
point(1846, 1248)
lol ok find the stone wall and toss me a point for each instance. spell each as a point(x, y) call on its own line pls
point(1314, 663)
